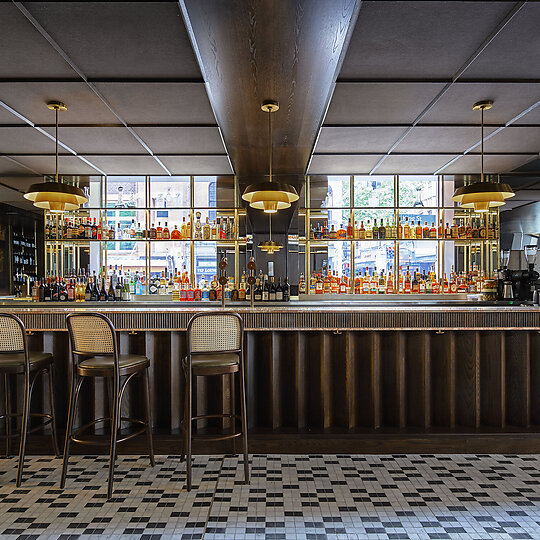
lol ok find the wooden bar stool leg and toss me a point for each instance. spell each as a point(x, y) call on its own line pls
point(8, 418)
point(73, 398)
point(189, 426)
point(53, 413)
point(24, 427)
point(244, 422)
point(149, 423)
point(114, 435)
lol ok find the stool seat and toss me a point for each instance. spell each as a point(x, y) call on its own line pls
point(14, 362)
point(214, 360)
point(97, 365)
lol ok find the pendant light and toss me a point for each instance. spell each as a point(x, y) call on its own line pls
point(481, 196)
point(56, 196)
point(269, 245)
point(270, 196)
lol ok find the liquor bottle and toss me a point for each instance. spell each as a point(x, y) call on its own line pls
point(206, 230)
point(419, 231)
point(70, 291)
point(175, 234)
point(103, 292)
point(361, 231)
point(319, 285)
point(407, 285)
point(356, 231)
point(382, 283)
point(350, 230)
point(214, 231)
point(413, 229)
point(382, 230)
point(221, 229)
point(272, 290)
point(341, 233)
point(366, 282)
point(407, 229)
point(325, 232)
point(302, 284)
point(468, 230)
point(374, 284)
point(369, 231)
point(41, 291)
point(286, 290)
point(425, 230)
point(415, 285)
point(198, 234)
point(62, 292)
point(332, 234)
point(358, 283)
point(266, 290)
point(110, 294)
point(279, 291)
point(462, 231)
point(375, 230)
point(390, 282)
point(183, 229)
point(475, 228)
point(159, 231)
point(433, 231)
point(482, 233)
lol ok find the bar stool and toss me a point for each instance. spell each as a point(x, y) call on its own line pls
point(16, 359)
point(215, 347)
point(94, 353)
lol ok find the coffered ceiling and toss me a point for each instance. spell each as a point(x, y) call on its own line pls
point(138, 103)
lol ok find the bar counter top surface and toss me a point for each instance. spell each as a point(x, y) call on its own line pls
point(325, 315)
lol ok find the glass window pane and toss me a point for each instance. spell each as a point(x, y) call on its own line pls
point(214, 191)
point(370, 223)
point(329, 191)
point(419, 223)
point(373, 259)
point(418, 256)
point(126, 192)
point(415, 191)
point(169, 191)
point(370, 191)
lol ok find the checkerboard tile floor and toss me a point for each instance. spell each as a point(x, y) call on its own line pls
point(289, 496)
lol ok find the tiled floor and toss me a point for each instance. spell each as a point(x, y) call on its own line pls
point(317, 497)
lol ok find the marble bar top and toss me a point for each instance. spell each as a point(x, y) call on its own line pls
point(132, 316)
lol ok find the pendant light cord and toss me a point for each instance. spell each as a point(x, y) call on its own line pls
point(482, 175)
point(56, 136)
point(270, 141)
point(270, 220)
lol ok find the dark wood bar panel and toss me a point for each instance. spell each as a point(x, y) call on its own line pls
point(388, 388)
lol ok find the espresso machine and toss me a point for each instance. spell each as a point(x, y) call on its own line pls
point(518, 284)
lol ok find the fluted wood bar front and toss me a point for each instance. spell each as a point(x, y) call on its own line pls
point(335, 378)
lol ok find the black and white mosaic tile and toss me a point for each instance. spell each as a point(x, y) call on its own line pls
point(290, 496)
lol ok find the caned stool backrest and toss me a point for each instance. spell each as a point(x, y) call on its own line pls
point(91, 333)
point(216, 331)
point(12, 334)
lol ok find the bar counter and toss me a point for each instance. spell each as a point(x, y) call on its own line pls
point(332, 377)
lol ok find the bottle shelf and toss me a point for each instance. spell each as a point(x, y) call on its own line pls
point(329, 240)
point(240, 241)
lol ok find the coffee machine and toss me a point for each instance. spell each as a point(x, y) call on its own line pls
point(518, 284)
point(505, 289)
point(524, 281)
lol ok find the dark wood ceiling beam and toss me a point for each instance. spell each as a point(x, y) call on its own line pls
point(253, 50)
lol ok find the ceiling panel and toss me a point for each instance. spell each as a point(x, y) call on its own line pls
point(159, 103)
point(492, 164)
point(342, 164)
point(509, 100)
point(412, 164)
point(182, 140)
point(527, 195)
point(440, 139)
point(127, 164)
point(514, 139)
point(515, 52)
point(379, 103)
point(120, 39)
point(7, 167)
point(110, 140)
point(30, 100)
point(532, 117)
point(197, 164)
point(411, 39)
point(71, 165)
point(350, 139)
point(25, 53)
point(7, 117)
point(15, 140)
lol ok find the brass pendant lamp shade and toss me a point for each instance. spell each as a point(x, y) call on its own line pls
point(269, 245)
point(481, 196)
point(56, 196)
point(270, 196)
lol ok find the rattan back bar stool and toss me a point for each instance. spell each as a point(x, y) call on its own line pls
point(17, 359)
point(215, 347)
point(94, 353)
